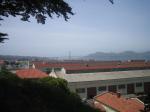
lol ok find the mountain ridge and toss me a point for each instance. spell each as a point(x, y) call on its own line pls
point(126, 55)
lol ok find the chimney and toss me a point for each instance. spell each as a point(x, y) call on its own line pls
point(118, 94)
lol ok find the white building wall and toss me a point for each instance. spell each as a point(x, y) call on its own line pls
point(139, 89)
point(100, 92)
point(52, 73)
point(83, 95)
point(122, 91)
point(33, 66)
point(108, 109)
point(63, 70)
point(74, 85)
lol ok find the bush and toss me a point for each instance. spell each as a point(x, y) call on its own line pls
point(40, 95)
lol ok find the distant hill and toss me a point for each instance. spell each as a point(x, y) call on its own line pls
point(127, 55)
point(30, 58)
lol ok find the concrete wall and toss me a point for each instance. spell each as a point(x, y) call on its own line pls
point(74, 85)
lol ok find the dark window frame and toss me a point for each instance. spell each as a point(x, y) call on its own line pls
point(139, 84)
point(121, 86)
point(102, 88)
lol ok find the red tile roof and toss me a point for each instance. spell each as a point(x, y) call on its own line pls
point(40, 65)
point(108, 65)
point(119, 103)
point(1, 62)
point(30, 73)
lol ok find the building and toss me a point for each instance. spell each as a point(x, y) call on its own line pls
point(88, 85)
point(114, 102)
point(31, 73)
point(92, 66)
point(89, 78)
point(15, 65)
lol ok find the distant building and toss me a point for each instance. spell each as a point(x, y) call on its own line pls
point(88, 85)
point(14, 65)
point(114, 102)
point(1, 63)
point(53, 74)
point(92, 66)
point(89, 78)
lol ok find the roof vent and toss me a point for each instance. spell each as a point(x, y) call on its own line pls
point(118, 94)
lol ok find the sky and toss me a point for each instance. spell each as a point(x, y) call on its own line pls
point(97, 26)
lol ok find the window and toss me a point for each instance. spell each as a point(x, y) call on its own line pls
point(112, 88)
point(80, 90)
point(122, 86)
point(138, 84)
point(102, 88)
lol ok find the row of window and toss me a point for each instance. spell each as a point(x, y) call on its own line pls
point(138, 84)
point(103, 88)
point(121, 86)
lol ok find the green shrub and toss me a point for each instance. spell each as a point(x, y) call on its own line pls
point(40, 95)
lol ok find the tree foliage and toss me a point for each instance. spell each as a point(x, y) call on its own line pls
point(36, 8)
point(112, 1)
point(40, 95)
point(3, 37)
point(39, 9)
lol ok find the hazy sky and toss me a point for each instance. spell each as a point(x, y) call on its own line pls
point(96, 26)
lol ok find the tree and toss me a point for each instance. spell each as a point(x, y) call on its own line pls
point(3, 37)
point(39, 9)
point(38, 95)
point(112, 1)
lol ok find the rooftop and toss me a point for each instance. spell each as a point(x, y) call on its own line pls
point(87, 66)
point(120, 103)
point(30, 73)
point(104, 75)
